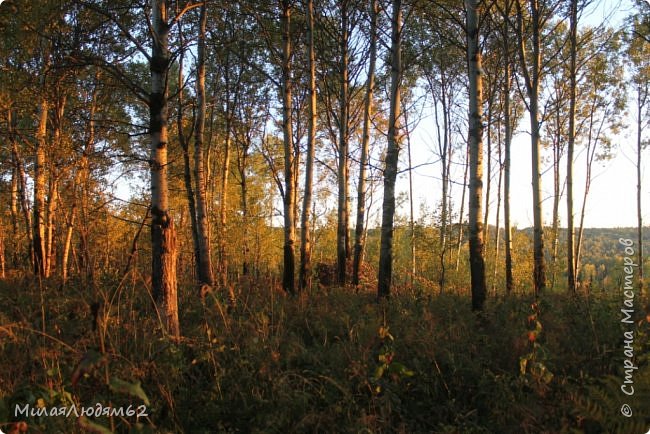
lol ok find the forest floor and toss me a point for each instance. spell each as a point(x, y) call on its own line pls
point(328, 361)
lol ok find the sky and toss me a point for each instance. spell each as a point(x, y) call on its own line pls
point(612, 196)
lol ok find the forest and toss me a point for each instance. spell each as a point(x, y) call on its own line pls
point(305, 216)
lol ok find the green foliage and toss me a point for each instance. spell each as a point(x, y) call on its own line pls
point(598, 407)
point(132, 389)
point(387, 367)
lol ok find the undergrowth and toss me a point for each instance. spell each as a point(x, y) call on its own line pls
point(326, 362)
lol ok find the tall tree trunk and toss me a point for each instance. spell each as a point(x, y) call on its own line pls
point(22, 190)
point(571, 261)
point(531, 78)
point(411, 211)
point(557, 157)
point(52, 208)
point(459, 241)
point(359, 239)
point(40, 252)
point(85, 187)
point(445, 159)
point(244, 209)
point(296, 172)
point(204, 260)
point(475, 138)
point(488, 178)
point(39, 210)
point(68, 242)
point(497, 236)
point(592, 144)
point(507, 143)
point(163, 234)
point(346, 211)
point(392, 155)
point(446, 221)
point(14, 212)
point(342, 228)
point(17, 193)
point(223, 203)
point(53, 193)
point(288, 283)
point(2, 252)
point(187, 167)
point(305, 236)
point(539, 273)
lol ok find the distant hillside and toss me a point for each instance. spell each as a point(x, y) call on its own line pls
point(601, 253)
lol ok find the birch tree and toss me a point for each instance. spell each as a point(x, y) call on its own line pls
point(475, 139)
point(204, 260)
point(365, 145)
point(163, 233)
point(392, 155)
point(573, 42)
point(529, 25)
point(305, 236)
point(289, 198)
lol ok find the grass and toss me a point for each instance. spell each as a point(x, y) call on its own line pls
point(331, 361)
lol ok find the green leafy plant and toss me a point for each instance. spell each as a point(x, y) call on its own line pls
point(387, 367)
point(531, 366)
point(598, 408)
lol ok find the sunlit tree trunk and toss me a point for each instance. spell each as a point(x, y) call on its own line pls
point(392, 154)
point(81, 181)
point(52, 208)
point(225, 173)
point(68, 242)
point(555, 230)
point(411, 210)
point(288, 283)
point(85, 187)
point(444, 150)
point(39, 209)
point(497, 236)
point(348, 207)
point(359, 238)
point(14, 212)
point(204, 260)
point(305, 235)
point(53, 187)
point(571, 260)
point(475, 138)
point(531, 78)
point(2, 252)
point(507, 229)
point(342, 176)
point(40, 252)
point(243, 167)
point(461, 215)
point(488, 177)
point(163, 234)
point(187, 167)
point(593, 137)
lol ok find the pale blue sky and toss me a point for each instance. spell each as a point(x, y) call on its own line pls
point(612, 197)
